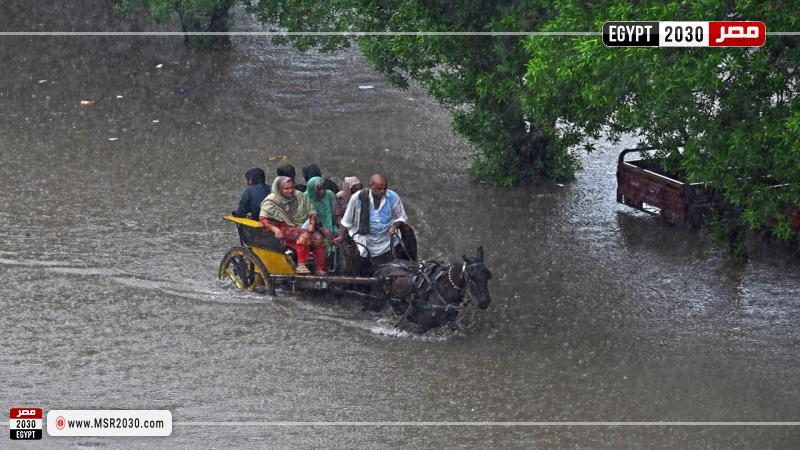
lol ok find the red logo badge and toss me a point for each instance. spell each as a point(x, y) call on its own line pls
point(25, 423)
point(26, 413)
point(736, 34)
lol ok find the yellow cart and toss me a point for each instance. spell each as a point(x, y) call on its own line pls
point(261, 262)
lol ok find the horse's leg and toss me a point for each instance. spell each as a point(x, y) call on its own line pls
point(451, 320)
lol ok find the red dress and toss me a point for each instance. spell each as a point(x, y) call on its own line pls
point(290, 237)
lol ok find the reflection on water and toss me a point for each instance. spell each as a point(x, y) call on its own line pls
point(110, 250)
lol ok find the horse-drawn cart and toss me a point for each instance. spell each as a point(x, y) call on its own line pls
point(261, 262)
point(428, 294)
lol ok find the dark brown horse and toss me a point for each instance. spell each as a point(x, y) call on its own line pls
point(432, 294)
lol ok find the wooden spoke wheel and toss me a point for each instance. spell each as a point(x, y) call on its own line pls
point(245, 270)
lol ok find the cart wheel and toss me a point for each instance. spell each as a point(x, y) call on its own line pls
point(245, 270)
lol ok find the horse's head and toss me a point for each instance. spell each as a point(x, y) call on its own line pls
point(477, 276)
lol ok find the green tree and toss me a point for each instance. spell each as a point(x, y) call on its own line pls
point(194, 15)
point(726, 116)
point(478, 78)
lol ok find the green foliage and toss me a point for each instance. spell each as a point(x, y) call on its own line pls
point(478, 78)
point(194, 15)
point(123, 7)
point(725, 229)
point(727, 116)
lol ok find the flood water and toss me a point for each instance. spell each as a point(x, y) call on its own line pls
point(109, 251)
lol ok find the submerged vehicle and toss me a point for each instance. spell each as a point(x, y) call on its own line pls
point(643, 184)
point(426, 294)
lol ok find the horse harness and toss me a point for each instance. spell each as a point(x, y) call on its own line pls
point(428, 276)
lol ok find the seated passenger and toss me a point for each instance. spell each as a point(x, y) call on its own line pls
point(312, 170)
point(324, 202)
point(349, 261)
point(283, 212)
point(287, 170)
point(350, 186)
point(253, 195)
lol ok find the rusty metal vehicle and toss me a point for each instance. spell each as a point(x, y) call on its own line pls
point(644, 185)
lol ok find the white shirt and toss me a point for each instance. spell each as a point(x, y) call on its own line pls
point(388, 212)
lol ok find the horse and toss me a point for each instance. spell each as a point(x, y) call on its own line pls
point(432, 294)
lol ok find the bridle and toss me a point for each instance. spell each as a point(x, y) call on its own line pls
point(464, 275)
point(468, 282)
point(450, 277)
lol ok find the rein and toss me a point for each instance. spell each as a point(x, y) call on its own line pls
point(391, 247)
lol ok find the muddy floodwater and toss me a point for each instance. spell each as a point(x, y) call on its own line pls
point(111, 233)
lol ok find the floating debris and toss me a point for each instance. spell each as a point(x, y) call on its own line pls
point(87, 103)
point(366, 86)
point(182, 90)
point(159, 66)
point(119, 96)
point(113, 139)
point(395, 365)
point(42, 81)
point(155, 121)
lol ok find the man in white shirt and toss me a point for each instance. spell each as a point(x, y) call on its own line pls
point(373, 226)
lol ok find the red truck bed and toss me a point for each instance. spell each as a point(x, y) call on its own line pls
point(641, 184)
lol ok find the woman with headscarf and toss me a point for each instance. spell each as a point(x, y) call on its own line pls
point(325, 203)
point(284, 212)
point(347, 251)
point(287, 170)
point(350, 186)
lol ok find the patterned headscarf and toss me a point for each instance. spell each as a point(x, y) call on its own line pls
point(344, 192)
point(291, 211)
